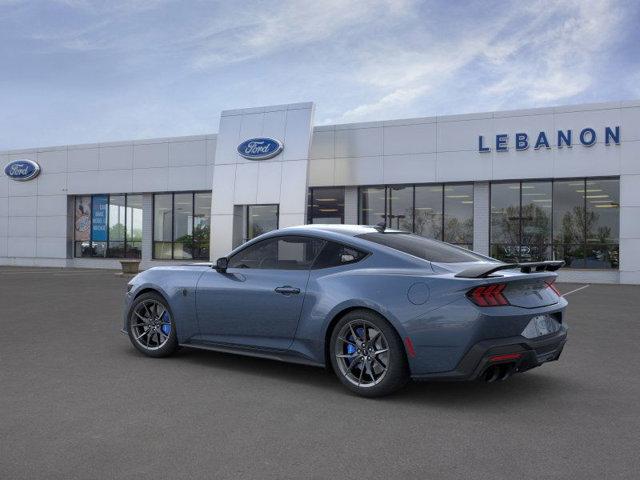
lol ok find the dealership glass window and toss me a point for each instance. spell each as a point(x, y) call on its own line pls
point(572, 220)
point(117, 220)
point(201, 224)
point(536, 213)
point(400, 207)
point(181, 225)
point(372, 205)
point(442, 212)
point(326, 205)
point(261, 219)
point(521, 217)
point(134, 226)
point(162, 225)
point(458, 215)
point(108, 226)
point(428, 211)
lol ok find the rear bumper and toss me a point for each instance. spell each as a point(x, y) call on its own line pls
point(532, 353)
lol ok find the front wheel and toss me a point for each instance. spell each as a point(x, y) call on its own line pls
point(367, 354)
point(151, 327)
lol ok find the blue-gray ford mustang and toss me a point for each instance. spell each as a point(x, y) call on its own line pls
point(378, 306)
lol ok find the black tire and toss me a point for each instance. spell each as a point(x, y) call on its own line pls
point(154, 347)
point(397, 368)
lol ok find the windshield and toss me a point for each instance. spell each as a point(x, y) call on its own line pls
point(425, 248)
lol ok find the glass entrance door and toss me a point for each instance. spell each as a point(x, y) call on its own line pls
point(261, 219)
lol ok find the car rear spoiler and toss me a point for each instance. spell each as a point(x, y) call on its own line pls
point(486, 269)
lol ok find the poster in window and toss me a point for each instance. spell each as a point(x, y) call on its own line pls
point(99, 214)
point(83, 219)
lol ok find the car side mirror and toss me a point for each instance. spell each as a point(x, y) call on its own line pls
point(222, 264)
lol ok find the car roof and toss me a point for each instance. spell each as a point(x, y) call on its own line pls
point(350, 230)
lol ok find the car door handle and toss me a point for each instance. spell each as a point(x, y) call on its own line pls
point(287, 290)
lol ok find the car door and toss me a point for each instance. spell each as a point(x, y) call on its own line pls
point(258, 300)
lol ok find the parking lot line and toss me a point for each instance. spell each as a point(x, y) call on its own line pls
point(576, 290)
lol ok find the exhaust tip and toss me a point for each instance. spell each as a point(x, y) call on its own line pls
point(499, 373)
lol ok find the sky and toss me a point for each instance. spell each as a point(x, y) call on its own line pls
point(80, 71)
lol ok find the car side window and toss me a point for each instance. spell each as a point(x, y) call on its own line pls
point(335, 254)
point(279, 253)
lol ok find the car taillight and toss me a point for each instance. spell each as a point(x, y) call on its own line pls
point(488, 295)
point(552, 286)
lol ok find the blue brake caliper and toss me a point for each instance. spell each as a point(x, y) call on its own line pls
point(166, 328)
point(351, 348)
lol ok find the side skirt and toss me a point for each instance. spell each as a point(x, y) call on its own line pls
point(286, 356)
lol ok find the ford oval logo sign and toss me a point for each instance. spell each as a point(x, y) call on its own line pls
point(260, 148)
point(22, 170)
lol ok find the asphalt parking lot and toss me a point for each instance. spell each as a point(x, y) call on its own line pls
point(77, 401)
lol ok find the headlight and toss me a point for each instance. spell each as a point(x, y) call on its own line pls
point(129, 287)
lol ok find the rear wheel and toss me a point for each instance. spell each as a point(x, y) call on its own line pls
point(151, 327)
point(367, 354)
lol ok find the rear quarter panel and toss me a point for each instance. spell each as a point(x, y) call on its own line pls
point(442, 329)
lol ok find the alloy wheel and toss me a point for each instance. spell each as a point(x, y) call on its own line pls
point(151, 324)
point(362, 353)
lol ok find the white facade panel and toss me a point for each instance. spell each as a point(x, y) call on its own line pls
point(22, 206)
point(269, 182)
point(223, 190)
point(52, 183)
point(630, 121)
point(598, 160)
point(51, 247)
point(84, 182)
point(150, 180)
point(51, 205)
point(322, 145)
point(403, 168)
point(528, 163)
point(22, 227)
point(297, 135)
point(83, 159)
point(630, 191)
point(52, 226)
point(21, 246)
point(322, 172)
point(359, 171)
point(188, 178)
point(408, 139)
point(118, 157)
point(456, 136)
point(151, 155)
point(115, 181)
point(53, 161)
point(228, 140)
point(630, 157)
point(274, 125)
point(293, 200)
point(188, 153)
point(246, 181)
point(23, 189)
point(463, 166)
point(358, 142)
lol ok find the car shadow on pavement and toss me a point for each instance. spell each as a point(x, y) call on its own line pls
point(520, 389)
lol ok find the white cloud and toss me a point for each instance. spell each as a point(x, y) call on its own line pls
point(544, 52)
point(287, 25)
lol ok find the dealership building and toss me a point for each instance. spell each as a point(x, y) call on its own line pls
point(522, 185)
